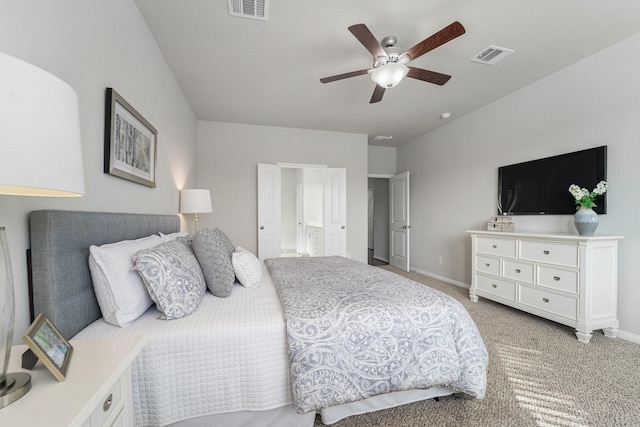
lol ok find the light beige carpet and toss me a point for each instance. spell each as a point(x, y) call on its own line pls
point(539, 375)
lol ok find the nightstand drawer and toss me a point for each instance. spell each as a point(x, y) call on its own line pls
point(110, 406)
point(498, 247)
point(496, 287)
point(488, 265)
point(550, 252)
point(553, 303)
point(556, 278)
point(518, 271)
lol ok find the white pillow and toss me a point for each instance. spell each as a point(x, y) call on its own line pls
point(121, 294)
point(247, 267)
point(173, 236)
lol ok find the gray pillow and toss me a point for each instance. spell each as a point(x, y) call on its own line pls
point(214, 250)
point(172, 275)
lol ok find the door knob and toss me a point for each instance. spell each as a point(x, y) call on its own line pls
point(343, 227)
point(262, 227)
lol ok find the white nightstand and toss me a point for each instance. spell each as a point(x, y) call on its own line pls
point(96, 392)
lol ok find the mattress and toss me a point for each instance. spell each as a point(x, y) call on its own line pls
point(220, 359)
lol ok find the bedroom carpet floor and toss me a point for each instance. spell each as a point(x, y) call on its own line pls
point(539, 375)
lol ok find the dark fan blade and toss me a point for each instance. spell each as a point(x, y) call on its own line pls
point(438, 39)
point(377, 94)
point(368, 40)
point(428, 76)
point(343, 76)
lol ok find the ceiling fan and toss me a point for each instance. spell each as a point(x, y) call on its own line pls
point(389, 61)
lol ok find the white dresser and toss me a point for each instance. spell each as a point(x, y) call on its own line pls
point(566, 278)
point(316, 240)
point(96, 392)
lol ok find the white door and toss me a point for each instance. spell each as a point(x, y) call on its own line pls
point(370, 221)
point(269, 209)
point(335, 212)
point(301, 238)
point(399, 219)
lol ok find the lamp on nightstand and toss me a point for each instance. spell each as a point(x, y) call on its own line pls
point(40, 155)
point(195, 201)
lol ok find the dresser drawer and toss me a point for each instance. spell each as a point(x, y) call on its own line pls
point(496, 287)
point(552, 303)
point(549, 252)
point(519, 271)
point(557, 278)
point(498, 247)
point(488, 265)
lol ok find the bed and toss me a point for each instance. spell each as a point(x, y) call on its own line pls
point(235, 360)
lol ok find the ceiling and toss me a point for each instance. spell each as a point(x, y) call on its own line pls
point(239, 70)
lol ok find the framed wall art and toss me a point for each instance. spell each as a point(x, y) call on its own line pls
point(49, 346)
point(130, 142)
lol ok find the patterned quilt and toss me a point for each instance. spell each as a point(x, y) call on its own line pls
point(355, 331)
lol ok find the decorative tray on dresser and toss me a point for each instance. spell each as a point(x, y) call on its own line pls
point(566, 278)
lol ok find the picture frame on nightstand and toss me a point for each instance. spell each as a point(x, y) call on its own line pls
point(48, 345)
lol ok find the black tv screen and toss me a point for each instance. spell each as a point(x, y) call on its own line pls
point(541, 186)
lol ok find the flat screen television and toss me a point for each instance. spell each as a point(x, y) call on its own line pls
point(541, 187)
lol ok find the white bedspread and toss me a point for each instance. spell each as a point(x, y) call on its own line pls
point(220, 359)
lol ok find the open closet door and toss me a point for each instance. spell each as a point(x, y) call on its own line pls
point(399, 221)
point(269, 208)
point(335, 212)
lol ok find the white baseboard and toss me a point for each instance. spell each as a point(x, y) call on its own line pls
point(442, 278)
point(627, 336)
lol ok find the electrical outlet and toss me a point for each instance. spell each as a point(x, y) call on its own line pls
point(439, 259)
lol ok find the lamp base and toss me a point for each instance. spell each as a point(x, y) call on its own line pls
point(16, 385)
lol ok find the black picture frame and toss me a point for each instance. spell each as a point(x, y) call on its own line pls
point(48, 344)
point(130, 142)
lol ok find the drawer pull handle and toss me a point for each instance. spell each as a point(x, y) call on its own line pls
point(518, 270)
point(556, 278)
point(545, 299)
point(545, 252)
point(486, 264)
point(494, 285)
point(107, 403)
point(494, 246)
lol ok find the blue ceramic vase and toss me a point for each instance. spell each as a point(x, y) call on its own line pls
point(586, 221)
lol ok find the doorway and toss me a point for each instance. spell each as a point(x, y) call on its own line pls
point(378, 240)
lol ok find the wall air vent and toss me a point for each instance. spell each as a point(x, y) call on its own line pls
point(492, 55)
point(380, 139)
point(254, 9)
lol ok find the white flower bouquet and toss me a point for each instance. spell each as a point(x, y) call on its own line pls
point(584, 197)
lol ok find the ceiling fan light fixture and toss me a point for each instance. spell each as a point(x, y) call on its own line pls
point(389, 74)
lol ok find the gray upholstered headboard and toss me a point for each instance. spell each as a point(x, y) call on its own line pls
point(60, 276)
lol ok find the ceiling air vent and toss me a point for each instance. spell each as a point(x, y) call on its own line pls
point(254, 9)
point(380, 139)
point(492, 55)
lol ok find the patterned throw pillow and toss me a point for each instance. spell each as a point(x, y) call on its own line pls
point(173, 278)
point(247, 267)
point(214, 250)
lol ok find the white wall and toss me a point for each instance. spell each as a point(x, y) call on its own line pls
point(454, 169)
point(381, 160)
point(92, 45)
point(228, 155)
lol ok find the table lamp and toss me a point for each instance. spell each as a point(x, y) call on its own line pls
point(195, 201)
point(40, 155)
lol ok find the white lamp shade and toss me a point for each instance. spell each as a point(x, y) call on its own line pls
point(195, 201)
point(40, 146)
point(389, 74)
